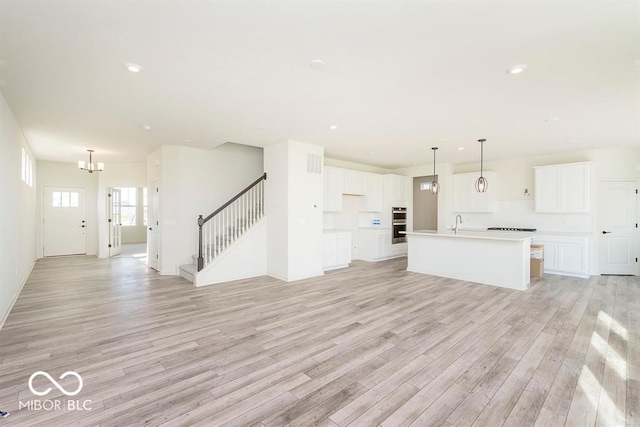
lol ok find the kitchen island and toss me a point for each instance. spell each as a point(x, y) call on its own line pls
point(491, 258)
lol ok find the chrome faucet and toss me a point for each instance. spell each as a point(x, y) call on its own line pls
point(455, 229)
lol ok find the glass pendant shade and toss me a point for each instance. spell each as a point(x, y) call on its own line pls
point(481, 183)
point(435, 187)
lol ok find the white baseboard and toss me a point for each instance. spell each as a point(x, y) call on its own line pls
point(17, 294)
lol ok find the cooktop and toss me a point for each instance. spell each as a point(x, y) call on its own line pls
point(510, 229)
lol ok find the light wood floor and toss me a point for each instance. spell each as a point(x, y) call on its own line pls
point(364, 346)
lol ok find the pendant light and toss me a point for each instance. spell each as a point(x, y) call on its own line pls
point(481, 183)
point(435, 187)
point(90, 167)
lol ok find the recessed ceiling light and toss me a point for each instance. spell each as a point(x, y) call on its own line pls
point(460, 148)
point(134, 68)
point(333, 127)
point(553, 119)
point(443, 140)
point(571, 142)
point(188, 140)
point(316, 64)
point(372, 152)
point(259, 127)
point(516, 69)
point(146, 127)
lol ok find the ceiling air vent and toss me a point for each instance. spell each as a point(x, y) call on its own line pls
point(314, 163)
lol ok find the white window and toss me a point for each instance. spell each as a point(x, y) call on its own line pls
point(144, 206)
point(27, 168)
point(129, 206)
point(64, 199)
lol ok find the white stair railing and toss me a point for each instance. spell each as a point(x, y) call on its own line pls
point(219, 230)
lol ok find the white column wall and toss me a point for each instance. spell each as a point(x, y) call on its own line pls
point(294, 200)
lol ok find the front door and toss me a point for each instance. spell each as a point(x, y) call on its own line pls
point(115, 221)
point(64, 227)
point(617, 227)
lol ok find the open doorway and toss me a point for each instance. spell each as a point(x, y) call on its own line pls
point(425, 204)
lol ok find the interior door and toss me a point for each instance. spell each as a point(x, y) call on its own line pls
point(152, 226)
point(114, 204)
point(64, 223)
point(617, 233)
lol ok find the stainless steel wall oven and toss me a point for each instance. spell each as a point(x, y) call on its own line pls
point(398, 224)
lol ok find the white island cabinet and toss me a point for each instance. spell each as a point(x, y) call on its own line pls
point(498, 259)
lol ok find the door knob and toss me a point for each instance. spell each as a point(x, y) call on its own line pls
point(606, 232)
point(150, 228)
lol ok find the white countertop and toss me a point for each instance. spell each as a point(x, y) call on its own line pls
point(335, 230)
point(486, 235)
point(374, 228)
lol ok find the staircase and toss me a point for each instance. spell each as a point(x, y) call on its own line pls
point(224, 231)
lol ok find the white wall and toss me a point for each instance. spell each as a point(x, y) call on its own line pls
point(58, 174)
point(17, 212)
point(196, 182)
point(293, 203)
point(118, 175)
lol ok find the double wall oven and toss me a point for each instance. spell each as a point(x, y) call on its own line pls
point(398, 225)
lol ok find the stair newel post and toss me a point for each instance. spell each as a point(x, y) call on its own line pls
point(200, 258)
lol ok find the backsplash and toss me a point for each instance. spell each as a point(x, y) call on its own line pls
point(521, 213)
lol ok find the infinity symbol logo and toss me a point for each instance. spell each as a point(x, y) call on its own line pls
point(55, 383)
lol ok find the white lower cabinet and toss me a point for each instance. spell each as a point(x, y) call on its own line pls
point(375, 245)
point(336, 249)
point(565, 255)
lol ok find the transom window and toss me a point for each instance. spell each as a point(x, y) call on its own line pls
point(64, 199)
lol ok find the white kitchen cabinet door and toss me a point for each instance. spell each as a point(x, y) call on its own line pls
point(336, 249)
point(572, 258)
point(372, 202)
point(355, 182)
point(333, 189)
point(575, 187)
point(550, 253)
point(329, 253)
point(465, 196)
point(562, 188)
point(398, 190)
point(343, 248)
point(383, 246)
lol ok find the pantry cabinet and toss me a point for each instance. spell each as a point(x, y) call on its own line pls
point(563, 188)
point(333, 189)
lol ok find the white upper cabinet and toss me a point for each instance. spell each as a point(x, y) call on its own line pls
point(372, 202)
point(333, 189)
point(397, 190)
point(355, 182)
point(465, 196)
point(563, 188)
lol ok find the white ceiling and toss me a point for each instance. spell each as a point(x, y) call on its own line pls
point(399, 76)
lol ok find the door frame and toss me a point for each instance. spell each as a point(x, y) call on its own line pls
point(636, 233)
